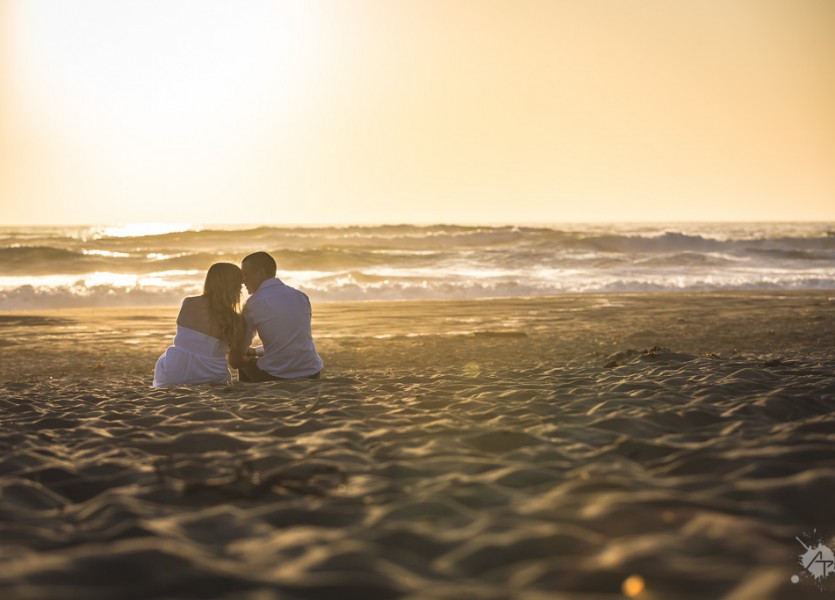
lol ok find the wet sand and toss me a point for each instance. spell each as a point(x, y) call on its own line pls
point(570, 447)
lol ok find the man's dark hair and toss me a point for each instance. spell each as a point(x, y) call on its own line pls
point(261, 261)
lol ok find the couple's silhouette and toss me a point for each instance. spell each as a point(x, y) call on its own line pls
point(213, 333)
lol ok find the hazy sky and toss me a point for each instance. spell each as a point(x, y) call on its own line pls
point(367, 111)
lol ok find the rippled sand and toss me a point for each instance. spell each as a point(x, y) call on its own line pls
point(574, 447)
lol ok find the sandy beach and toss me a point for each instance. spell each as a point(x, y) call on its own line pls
point(590, 446)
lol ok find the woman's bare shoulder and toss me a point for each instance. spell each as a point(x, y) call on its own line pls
point(193, 312)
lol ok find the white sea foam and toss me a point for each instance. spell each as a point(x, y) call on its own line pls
point(54, 267)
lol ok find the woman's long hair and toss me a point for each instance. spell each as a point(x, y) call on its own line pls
point(222, 290)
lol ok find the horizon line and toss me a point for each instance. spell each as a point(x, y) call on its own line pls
point(309, 224)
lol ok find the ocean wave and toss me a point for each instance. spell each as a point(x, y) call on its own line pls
point(668, 241)
point(358, 286)
point(675, 242)
point(590, 253)
point(40, 260)
point(439, 237)
point(29, 297)
point(261, 237)
point(86, 267)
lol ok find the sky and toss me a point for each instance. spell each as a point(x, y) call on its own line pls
point(453, 111)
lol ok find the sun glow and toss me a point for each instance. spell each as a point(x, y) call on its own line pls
point(156, 68)
point(474, 111)
point(143, 229)
point(156, 97)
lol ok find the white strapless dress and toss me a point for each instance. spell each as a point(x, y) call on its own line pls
point(194, 358)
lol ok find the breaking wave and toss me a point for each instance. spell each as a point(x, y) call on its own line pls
point(54, 267)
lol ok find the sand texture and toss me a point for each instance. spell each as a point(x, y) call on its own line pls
point(570, 447)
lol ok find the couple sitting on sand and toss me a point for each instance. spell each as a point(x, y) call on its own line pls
point(211, 328)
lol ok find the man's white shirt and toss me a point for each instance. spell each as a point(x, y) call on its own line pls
point(281, 315)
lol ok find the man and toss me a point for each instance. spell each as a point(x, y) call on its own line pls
point(281, 316)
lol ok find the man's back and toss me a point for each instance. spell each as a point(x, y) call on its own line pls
point(281, 315)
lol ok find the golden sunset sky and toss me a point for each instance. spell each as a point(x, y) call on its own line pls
point(361, 111)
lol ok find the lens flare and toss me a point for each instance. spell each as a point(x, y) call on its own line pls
point(633, 585)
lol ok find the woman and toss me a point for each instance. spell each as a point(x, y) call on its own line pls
point(207, 326)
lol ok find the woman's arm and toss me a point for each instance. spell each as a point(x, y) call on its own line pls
point(237, 355)
point(183, 314)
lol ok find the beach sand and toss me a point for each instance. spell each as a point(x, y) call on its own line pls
point(583, 446)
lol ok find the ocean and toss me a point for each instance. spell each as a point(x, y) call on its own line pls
point(144, 265)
